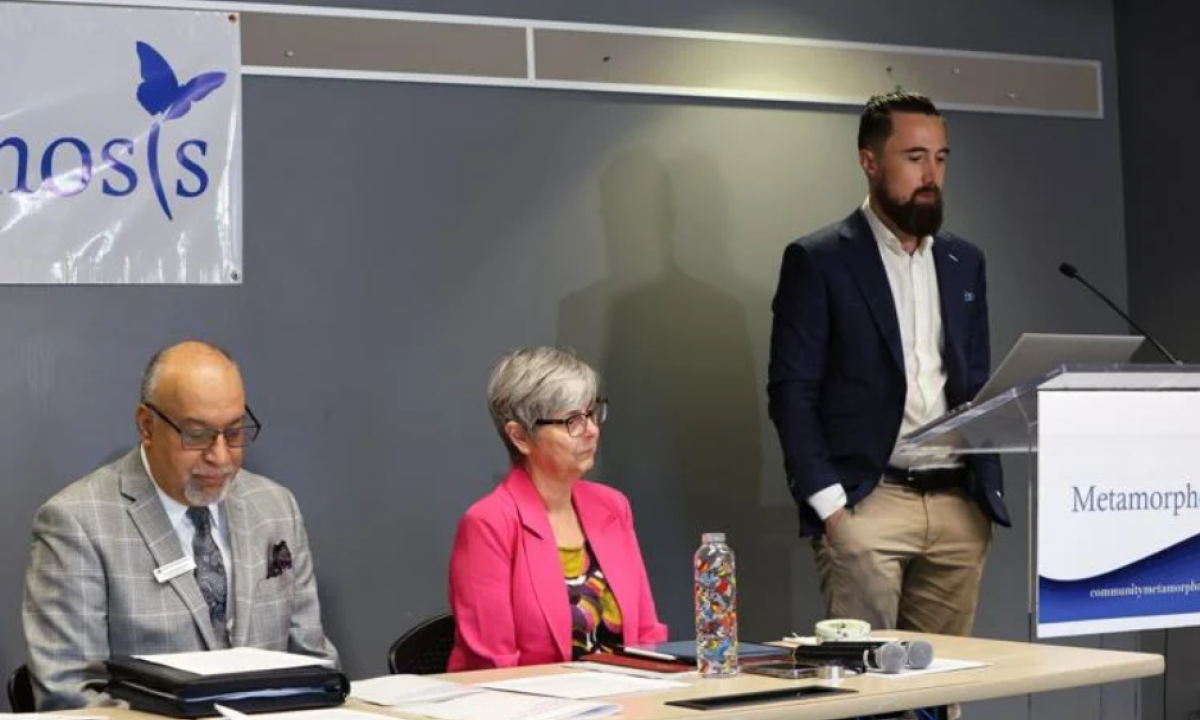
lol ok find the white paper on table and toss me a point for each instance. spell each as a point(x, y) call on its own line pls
point(631, 671)
point(234, 660)
point(940, 665)
point(509, 706)
point(392, 690)
point(229, 713)
point(321, 714)
point(583, 685)
point(48, 716)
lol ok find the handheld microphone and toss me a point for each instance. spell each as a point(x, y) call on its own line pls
point(1072, 272)
point(920, 654)
point(890, 657)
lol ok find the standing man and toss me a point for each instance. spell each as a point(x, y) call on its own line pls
point(171, 548)
point(881, 325)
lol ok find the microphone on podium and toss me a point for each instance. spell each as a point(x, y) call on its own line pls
point(1072, 272)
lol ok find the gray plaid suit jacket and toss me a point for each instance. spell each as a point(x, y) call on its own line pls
point(91, 594)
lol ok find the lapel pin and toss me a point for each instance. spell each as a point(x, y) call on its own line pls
point(968, 296)
point(952, 257)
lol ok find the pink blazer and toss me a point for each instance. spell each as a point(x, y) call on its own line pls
point(507, 589)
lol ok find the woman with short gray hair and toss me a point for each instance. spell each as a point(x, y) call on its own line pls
point(546, 568)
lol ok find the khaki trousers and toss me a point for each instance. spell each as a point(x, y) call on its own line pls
point(906, 559)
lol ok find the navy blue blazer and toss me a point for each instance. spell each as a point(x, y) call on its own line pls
point(836, 381)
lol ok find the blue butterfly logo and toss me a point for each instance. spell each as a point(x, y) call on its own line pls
point(165, 99)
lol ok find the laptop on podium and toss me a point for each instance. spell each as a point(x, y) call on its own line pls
point(1035, 354)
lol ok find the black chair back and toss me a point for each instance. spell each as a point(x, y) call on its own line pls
point(20, 691)
point(425, 649)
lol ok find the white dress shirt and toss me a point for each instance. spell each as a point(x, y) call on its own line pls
point(177, 514)
point(913, 280)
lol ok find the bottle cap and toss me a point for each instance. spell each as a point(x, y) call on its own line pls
point(712, 537)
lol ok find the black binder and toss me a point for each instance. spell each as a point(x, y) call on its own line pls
point(162, 690)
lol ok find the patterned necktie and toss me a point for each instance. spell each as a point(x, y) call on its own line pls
point(210, 570)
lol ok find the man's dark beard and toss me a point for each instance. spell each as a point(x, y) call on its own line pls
point(913, 218)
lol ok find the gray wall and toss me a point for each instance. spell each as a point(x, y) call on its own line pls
point(399, 238)
point(1158, 103)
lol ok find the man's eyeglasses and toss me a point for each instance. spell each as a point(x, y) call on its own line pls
point(204, 438)
point(576, 423)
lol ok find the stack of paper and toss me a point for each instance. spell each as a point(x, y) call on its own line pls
point(583, 685)
point(484, 704)
point(233, 660)
point(940, 665)
point(394, 690)
point(495, 705)
point(45, 716)
point(324, 714)
point(548, 697)
point(631, 671)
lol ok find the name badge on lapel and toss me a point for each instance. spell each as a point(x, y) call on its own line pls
point(173, 570)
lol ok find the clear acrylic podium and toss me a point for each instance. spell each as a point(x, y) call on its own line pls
point(1008, 424)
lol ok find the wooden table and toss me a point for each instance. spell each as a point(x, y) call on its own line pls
point(1016, 668)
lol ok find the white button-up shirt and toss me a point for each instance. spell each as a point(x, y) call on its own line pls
point(182, 524)
point(914, 284)
point(919, 312)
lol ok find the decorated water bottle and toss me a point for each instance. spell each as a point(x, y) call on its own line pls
point(716, 608)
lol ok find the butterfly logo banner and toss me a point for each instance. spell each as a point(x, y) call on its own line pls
point(120, 146)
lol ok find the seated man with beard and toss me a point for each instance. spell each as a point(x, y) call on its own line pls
point(173, 547)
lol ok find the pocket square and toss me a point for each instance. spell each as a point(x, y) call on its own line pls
point(279, 558)
point(968, 296)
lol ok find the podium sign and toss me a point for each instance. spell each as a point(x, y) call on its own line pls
point(1118, 510)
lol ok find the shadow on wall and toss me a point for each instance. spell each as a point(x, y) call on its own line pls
point(683, 437)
